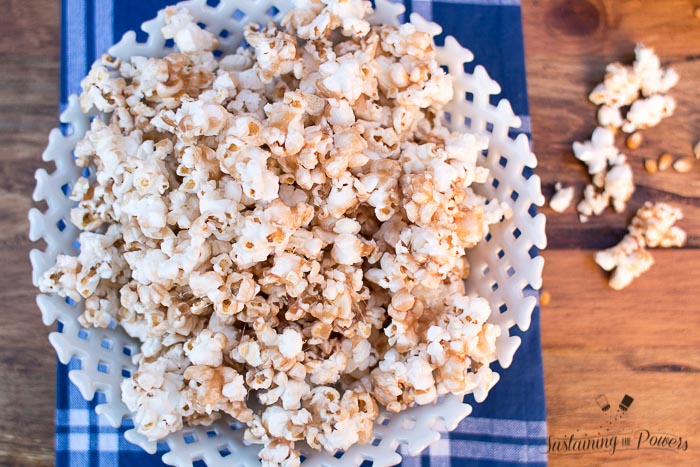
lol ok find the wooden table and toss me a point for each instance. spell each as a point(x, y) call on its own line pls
point(643, 341)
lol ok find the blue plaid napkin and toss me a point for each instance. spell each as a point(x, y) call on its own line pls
point(509, 427)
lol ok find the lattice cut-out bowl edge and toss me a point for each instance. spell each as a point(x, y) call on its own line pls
point(506, 269)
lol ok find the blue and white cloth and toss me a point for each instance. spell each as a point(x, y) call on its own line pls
point(509, 428)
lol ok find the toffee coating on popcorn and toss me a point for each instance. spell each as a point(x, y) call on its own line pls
point(286, 224)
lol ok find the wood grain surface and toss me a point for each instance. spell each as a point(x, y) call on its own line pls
point(643, 341)
point(29, 61)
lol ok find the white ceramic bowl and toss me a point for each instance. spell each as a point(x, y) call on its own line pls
point(502, 267)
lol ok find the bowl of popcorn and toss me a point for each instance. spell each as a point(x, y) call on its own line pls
point(279, 233)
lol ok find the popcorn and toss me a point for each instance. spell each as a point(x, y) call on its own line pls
point(619, 184)
point(197, 118)
point(153, 394)
point(613, 181)
point(619, 88)
point(656, 223)
point(653, 79)
point(280, 453)
point(647, 113)
point(257, 181)
point(290, 343)
point(610, 117)
point(205, 349)
point(652, 226)
point(102, 90)
point(561, 200)
point(642, 86)
point(288, 224)
point(339, 78)
point(204, 393)
point(598, 152)
point(188, 37)
point(593, 203)
point(316, 19)
point(275, 51)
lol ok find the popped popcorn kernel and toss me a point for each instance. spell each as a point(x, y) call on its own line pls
point(188, 36)
point(652, 227)
point(642, 87)
point(612, 176)
point(561, 200)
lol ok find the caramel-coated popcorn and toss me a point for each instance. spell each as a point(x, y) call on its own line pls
point(284, 228)
point(652, 227)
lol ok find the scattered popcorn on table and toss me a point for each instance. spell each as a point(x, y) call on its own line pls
point(652, 227)
point(286, 226)
point(599, 152)
point(562, 198)
point(642, 87)
point(613, 181)
point(648, 112)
